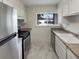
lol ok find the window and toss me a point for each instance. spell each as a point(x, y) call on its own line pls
point(47, 19)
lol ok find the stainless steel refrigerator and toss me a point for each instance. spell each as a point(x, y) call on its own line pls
point(8, 33)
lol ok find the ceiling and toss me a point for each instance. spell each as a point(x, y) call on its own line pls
point(40, 2)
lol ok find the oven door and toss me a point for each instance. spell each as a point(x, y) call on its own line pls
point(26, 43)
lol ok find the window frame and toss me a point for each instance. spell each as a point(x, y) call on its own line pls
point(46, 24)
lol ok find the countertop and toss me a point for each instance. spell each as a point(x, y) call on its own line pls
point(74, 48)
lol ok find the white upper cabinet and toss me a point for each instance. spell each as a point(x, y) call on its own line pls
point(65, 7)
point(22, 14)
point(60, 13)
point(70, 7)
point(74, 7)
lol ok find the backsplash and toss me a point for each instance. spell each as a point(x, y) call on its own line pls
point(71, 24)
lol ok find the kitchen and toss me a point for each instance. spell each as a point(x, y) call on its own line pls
point(45, 37)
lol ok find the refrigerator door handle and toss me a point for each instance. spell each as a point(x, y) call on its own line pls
point(8, 38)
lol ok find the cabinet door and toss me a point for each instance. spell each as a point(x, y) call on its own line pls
point(53, 40)
point(24, 15)
point(65, 7)
point(74, 7)
point(60, 13)
point(70, 55)
point(60, 48)
point(20, 13)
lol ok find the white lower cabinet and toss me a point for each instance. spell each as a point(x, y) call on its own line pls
point(62, 51)
point(60, 48)
point(70, 55)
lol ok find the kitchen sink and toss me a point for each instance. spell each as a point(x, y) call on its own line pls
point(69, 38)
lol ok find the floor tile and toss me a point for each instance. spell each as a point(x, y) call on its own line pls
point(41, 52)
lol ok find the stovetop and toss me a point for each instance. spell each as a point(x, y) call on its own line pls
point(23, 34)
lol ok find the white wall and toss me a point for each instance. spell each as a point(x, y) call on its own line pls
point(32, 11)
point(39, 35)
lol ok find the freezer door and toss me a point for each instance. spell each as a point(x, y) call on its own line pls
point(10, 49)
point(11, 20)
point(3, 28)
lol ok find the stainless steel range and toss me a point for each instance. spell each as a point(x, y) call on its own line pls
point(25, 42)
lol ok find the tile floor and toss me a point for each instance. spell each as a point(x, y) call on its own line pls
point(41, 52)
